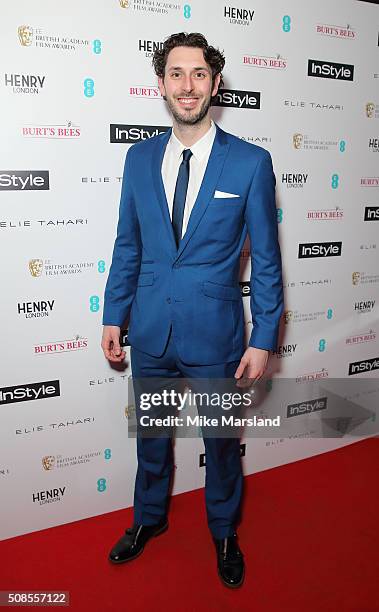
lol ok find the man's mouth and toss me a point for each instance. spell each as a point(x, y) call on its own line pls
point(187, 101)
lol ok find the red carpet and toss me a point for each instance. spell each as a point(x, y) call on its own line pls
point(309, 535)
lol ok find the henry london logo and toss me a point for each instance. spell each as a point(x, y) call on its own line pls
point(24, 180)
point(150, 6)
point(29, 391)
point(49, 496)
point(236, 98)
point(320, 403)
point(238, 16)
point(364, 306)
point(371, 213)
point(285, 350)
point(66, 131)
point(276, 62)
point(24, 83)
point(296, 316)
point(306, 142)
point(345, 32)
point(31, 310)
point(373, 145)
point(50, 462)
point(366, 365)
point(134, 133)
point(294, 180)
point(369, 336)
point(149, 46)
point(325, 214)
point(78, 343)
point(40, 267)
point(370, 181)
point(37, 37)
point(363, 278)
point(319, 249)
point(330, 70)
point(372, 110)
point(145, 93)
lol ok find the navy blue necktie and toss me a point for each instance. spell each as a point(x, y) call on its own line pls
point(180, 195)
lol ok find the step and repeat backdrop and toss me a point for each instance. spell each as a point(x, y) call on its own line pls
point(77, 90)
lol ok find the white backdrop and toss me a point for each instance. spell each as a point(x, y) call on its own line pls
point(70, 71)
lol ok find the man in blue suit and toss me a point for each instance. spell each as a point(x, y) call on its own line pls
point(189, 198)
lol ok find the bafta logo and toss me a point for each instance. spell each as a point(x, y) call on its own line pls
point(124, 3)
point(48, 462)
point(25, 35)
point(288, 316)
point(370, 110)
point(35, 267)
point(297, 141)
point(356, 277)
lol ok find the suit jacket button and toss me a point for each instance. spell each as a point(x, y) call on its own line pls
point(168, 300)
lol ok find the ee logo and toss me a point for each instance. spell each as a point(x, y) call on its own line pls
point(89, 85)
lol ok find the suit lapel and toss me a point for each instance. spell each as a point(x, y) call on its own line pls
point(212, 173)
point(157, 159)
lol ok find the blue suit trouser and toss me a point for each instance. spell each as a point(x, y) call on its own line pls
point(224, 478)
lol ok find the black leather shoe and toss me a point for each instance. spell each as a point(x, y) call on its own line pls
point(131, 544)
point(230, 563)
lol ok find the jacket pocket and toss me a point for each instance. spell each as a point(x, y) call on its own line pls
point(145, 278)
point(221, 292)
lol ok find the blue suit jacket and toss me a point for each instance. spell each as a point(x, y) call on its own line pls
point(196, 287)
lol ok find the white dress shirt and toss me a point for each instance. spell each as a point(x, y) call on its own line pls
point(198, 163)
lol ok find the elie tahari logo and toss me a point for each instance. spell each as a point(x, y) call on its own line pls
point(366, 365)
point(235, 98)
point(319, 249)
point(135, 133)
point(330, 70)
point(30, 391)
point(24, 180)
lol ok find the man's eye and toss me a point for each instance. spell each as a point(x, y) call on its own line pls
point(175, 75)
point(200, 75)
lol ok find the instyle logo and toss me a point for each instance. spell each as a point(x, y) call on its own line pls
point(306, 407)
point(371, 213)
point(24, 83)
point(30, 391)
point(366, 365)
point(135, 133)
point(319, 249)
point(235, 98)
point(24, 180)
point(330, 70)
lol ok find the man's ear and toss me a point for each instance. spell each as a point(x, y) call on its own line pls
point(216, 84)
point(161, 87)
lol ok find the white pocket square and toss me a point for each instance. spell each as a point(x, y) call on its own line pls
point(223, 194)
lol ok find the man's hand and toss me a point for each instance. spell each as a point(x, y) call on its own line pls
point(111, 343)
point(252, 366)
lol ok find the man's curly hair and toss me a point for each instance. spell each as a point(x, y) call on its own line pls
point(213, 57)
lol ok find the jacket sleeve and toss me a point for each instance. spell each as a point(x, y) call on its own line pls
point(126, 261)
point(266, 285)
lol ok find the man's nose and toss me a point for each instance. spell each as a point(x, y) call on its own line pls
point(187, 83)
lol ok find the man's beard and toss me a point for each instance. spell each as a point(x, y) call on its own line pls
point(187, 118)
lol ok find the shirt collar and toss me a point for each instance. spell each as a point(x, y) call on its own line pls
point(199, 149)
